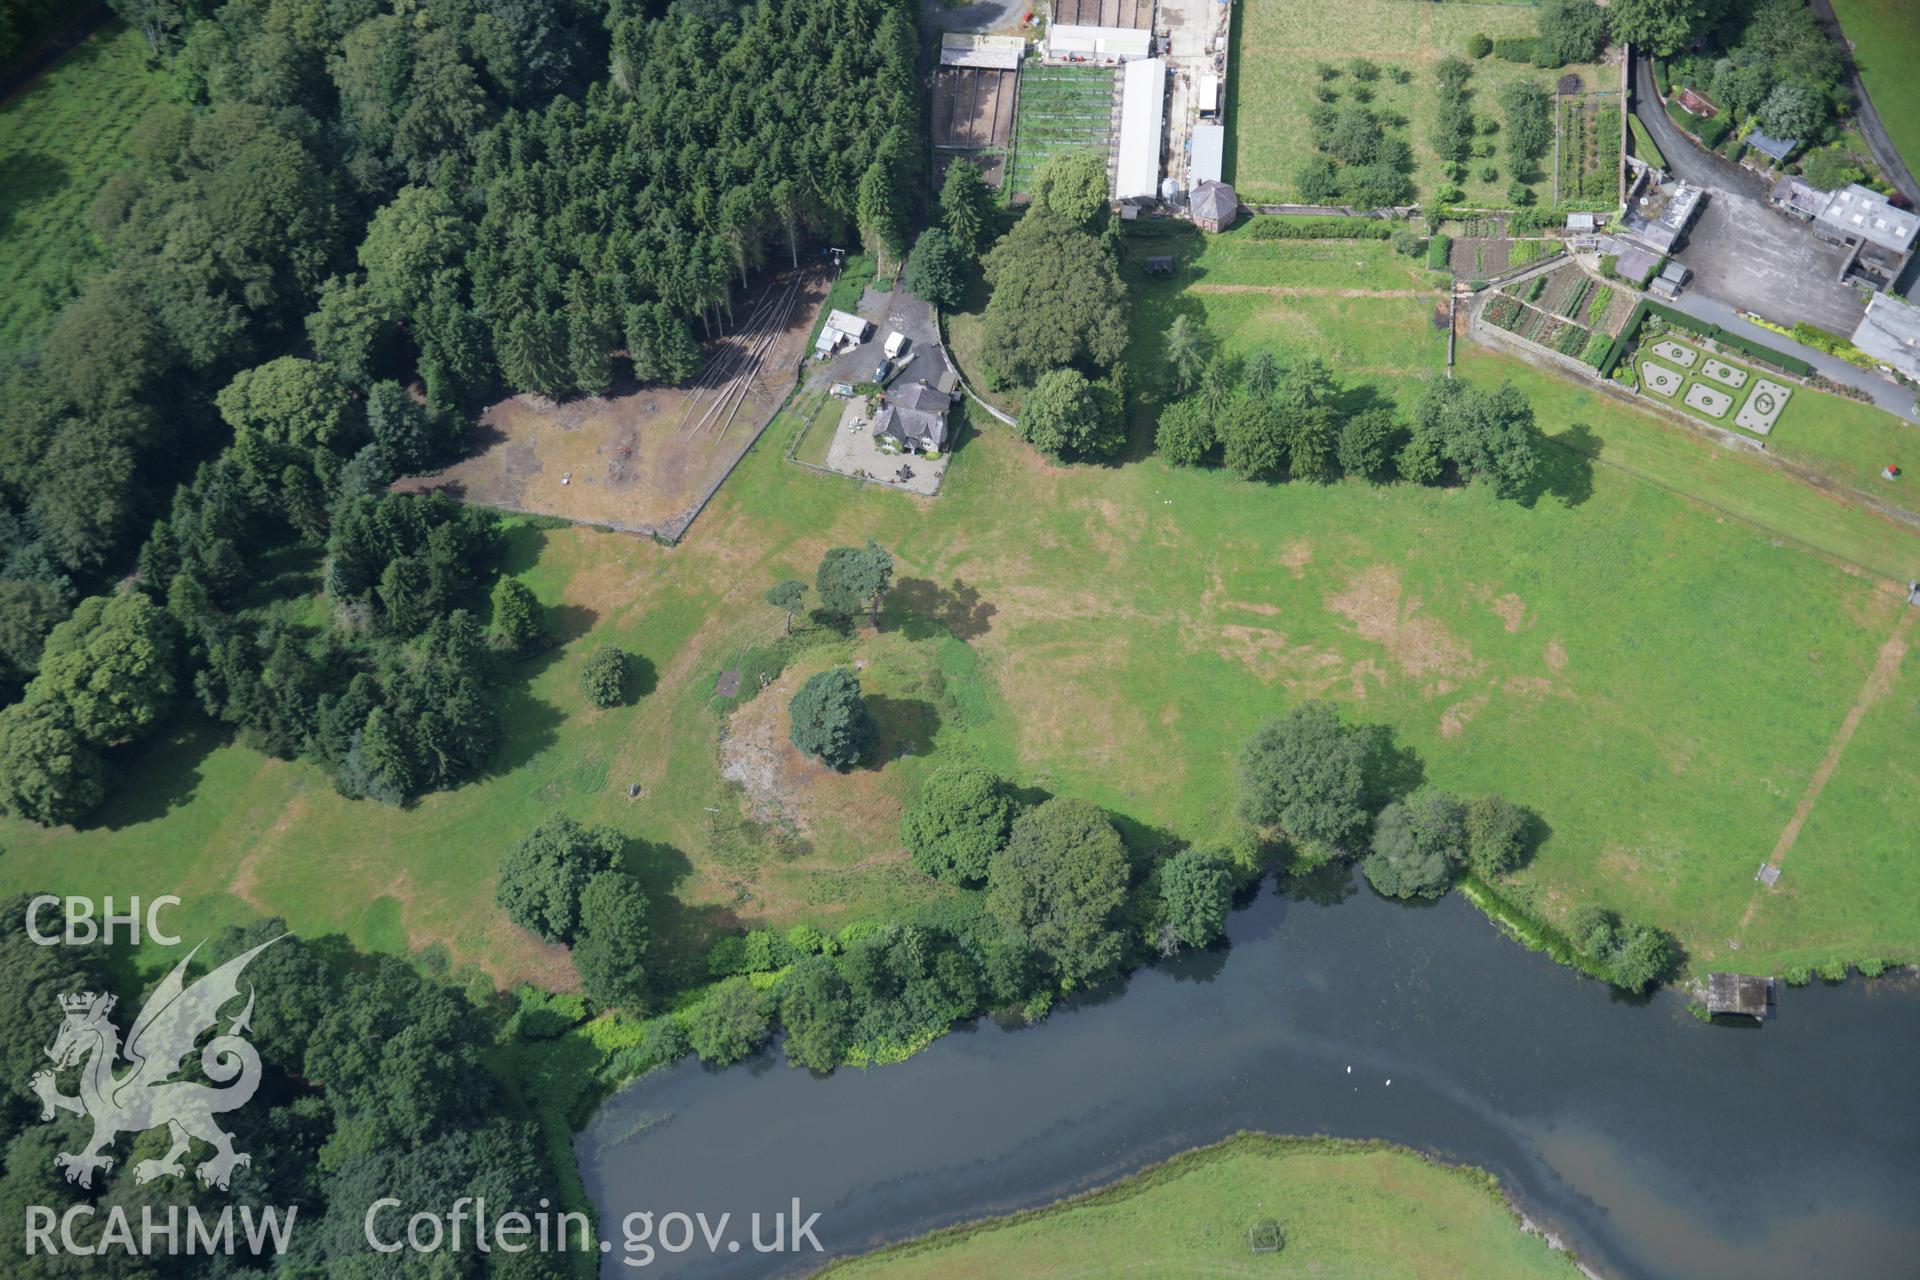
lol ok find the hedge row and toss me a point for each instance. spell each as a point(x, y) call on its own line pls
point(1273, 226)
point(1438, 250)
point(1520, 49)
point(1681, 320)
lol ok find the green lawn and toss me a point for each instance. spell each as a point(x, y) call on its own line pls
point(1646, 652)
point(1838, 437)
point(1345, 1210)
point(59, 141)
point(1886, 47)
point(1278, 42)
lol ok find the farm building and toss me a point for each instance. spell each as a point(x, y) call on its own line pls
point(1880, 235)
point(992, 53)
point(1098, 44)
point(843, 328)
point(1658, 217)
point(915, 418)
point(1124, 15)
point(1143, 108)
point(1774, 149)
point(1206, 96)
point(1672, 278)
point(1738, 993)
point(1214, 206)
point(1209, 154)
point(1798, 198)
point(1890, 333)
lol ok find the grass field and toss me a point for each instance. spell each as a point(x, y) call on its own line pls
point(1278, 42)
point(1345, 1210)
point(59, 142)
point(1886, 48)
point(1060, 109)
point(1648, 651)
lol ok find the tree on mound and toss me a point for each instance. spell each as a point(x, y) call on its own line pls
point(543, 877)
point(830, 720)
point(1415, 841)
point(958, 824)
point(1057, 300)
point(1060, 885)
point(787, 596)
point(852, 576)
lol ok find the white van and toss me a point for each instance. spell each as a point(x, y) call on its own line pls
point(896, 343)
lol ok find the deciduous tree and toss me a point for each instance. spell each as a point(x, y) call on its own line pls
point(959, 822)
point(1060, 883)
point(830, 720)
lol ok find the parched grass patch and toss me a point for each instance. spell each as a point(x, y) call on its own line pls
point(1653, 651)
point(1250, 1206)
point(1280, 42)
point(59, 142)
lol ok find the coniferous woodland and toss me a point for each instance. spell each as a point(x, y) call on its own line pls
point(352, 225)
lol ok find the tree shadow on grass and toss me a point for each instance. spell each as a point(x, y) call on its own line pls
point(906, 727)
point(521, 545)
point(32, 176)
point(162, 775)
point(922, 609)
point(1393, 770)
point(529, 726)
point(1566, 467)
point(683, 932)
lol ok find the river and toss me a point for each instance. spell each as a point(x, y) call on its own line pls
point(1654, 1145)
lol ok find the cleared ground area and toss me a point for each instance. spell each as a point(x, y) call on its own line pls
point(642, 461)
point(973, 117)
point(1746, 256)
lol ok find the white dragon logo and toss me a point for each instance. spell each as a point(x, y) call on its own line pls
point(147, 1097)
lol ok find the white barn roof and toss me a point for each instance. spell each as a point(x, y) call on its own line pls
point(1000, 53)
point(1143, 108)
point(1890, 333)
point(1118, 44)
point(1858, 211)
point(1209, 152)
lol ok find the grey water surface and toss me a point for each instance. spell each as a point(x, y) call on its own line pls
point(1654, 1145)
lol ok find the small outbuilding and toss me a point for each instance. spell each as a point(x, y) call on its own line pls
point(1214, 206)
point(1160, 265)
point(1774, 149)
point(1740, 994)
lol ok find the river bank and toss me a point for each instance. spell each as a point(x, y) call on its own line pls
point(1652, 1145)
point(1322, 1205)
